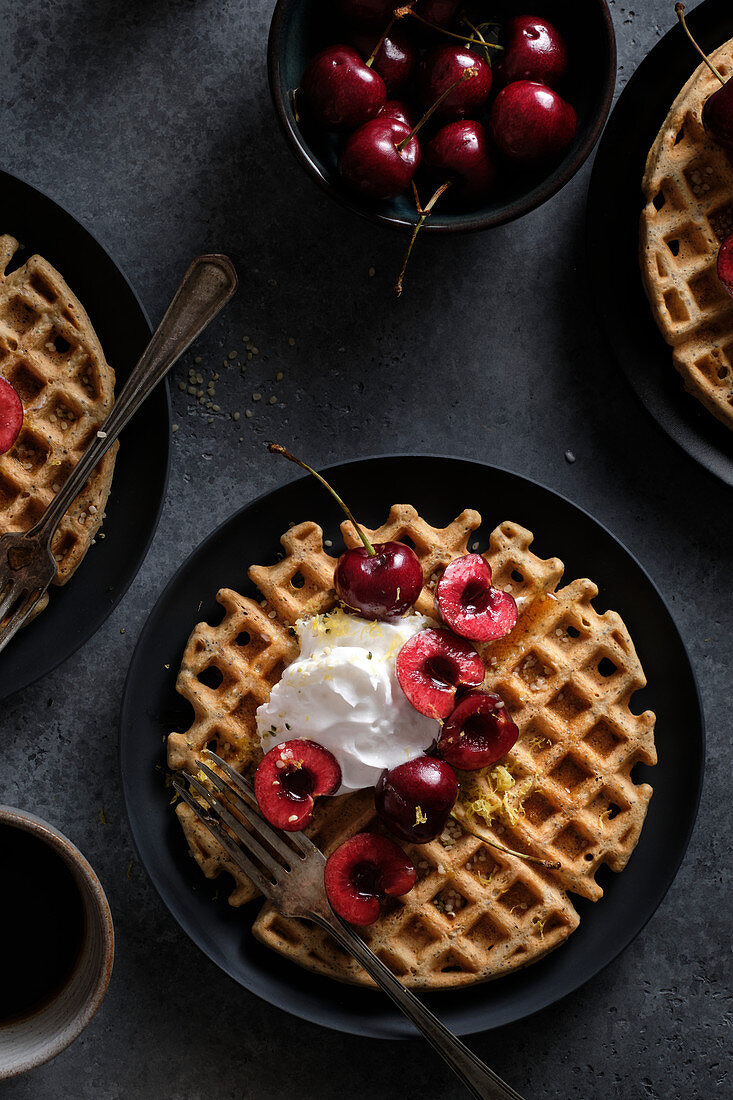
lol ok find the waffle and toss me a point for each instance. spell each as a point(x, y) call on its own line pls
point(50, 353)
point(567, 675)
point(688, 188)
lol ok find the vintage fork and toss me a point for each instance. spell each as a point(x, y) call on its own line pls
point(27, 565)
point(288, 869)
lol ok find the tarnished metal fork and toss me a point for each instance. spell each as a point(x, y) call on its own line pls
point(288, 869)
point(27, 565)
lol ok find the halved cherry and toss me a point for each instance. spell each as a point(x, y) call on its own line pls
point(478, 733)
point(362, 872)
point(432, 665)
point(725, 264)
point(469, 603)
point(11, 416)
point(290, 777)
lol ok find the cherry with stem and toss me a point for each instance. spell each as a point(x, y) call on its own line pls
point(378, 581)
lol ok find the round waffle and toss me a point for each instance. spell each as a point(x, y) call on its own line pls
point(50, 353)
point(567, 675)
point(688, 188)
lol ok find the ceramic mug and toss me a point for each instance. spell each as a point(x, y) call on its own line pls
point(37, 1037)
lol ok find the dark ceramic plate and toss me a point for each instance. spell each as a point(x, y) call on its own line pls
point(614, 206)
point(151, 708)
point(299, 29)
point(77, 610)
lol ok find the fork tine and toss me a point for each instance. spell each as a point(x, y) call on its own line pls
point(17, 619)
point(220, 834)
point(8, 594)
point(246, 838)
point(253, 815)
point(299, 839)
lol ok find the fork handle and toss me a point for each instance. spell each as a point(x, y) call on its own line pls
point(480, 1081)
point(206, 287)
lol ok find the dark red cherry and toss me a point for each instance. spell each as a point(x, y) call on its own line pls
point(478, 732)
point(290, 777)
point(362, 872)
point(381, 585)
point(460, 152)
point(395, 60)
point(440, 12)
point(374, 14)
point(530, 122)
point(534, 49)
point(415, 799)
point(725, 264)
point(399, 110)
point(373, 165)
point(11, 416)
point(339, 91)
point(717, 115)
point(445, 65)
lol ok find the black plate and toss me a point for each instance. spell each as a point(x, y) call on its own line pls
point(77, 610)
point(614, 205)
point(151, 709)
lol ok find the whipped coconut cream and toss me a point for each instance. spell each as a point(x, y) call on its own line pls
point(342, 691)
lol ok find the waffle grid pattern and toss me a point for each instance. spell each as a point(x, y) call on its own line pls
point(51, 355)
point(688, 188)
point(566, 673)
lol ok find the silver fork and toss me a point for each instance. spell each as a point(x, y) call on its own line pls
point(288, 869)
point(27, 565)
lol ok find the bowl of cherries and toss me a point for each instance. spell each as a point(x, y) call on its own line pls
point(456, 115)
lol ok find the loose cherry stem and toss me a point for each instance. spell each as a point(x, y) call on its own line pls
point(277, 449)
point(379, 45)
point(424, 214)
point(551, 865)
point(680, 10)
point(400, 13)
point(467, 74)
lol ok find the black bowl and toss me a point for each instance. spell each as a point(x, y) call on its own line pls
point(300, 28)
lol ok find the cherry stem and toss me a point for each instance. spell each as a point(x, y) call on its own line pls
point(479, 35)
point(424, 214)
point(379, 45)
point(680, 10)
point(277, 449)
point(400, 13)
point(551, 865)
point(467, 74)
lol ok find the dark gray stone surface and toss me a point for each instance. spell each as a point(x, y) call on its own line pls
point(151, 121)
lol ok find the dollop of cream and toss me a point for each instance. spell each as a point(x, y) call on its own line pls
point(342, 691)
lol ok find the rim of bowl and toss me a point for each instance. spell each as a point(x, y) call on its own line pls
point(80, 866)
point(478, 222)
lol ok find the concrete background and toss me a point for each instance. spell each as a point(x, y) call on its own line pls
point(152, 123)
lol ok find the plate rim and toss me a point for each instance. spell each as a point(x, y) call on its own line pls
point(362, 1027)
point(697, 442)
point(139, 559)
